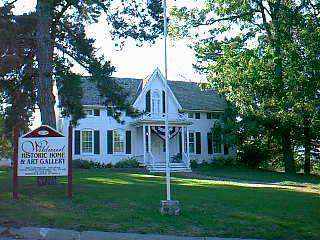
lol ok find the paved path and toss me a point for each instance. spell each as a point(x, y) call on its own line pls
point(33, 233)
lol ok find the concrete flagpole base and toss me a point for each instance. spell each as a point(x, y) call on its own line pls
point(170, 208)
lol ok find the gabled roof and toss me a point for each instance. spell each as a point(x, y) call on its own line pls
point(189, 94)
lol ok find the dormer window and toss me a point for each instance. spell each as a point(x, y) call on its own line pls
point(156, 101)
point(88, 112)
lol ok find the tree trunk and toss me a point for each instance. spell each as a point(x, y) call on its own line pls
point(45, 97)
point(287, 153)
point(307, 150)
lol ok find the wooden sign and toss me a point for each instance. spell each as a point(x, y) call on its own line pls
point(43, 152)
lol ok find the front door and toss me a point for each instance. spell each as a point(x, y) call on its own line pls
point(157, 148)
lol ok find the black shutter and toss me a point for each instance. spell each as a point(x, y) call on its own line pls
point(208, 115)
point(128, 142)
point(96, 135)
point(198, 142)
point(148, 108)
point(180, 143)
point(96, 112)
point(110, 142)
point(163, 101)
point(225, 150)
point(76, 142)
point(209, 135)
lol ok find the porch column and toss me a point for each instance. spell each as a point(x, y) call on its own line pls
point(144, 143)
point(182, 136)
point(149, 138)
point(188, 142)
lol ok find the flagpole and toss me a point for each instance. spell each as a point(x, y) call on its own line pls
point(166, 99)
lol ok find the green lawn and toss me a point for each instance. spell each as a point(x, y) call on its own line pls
point(259, 175)
point(115, 200)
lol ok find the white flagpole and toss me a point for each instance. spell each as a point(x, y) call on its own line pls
point(166, 99)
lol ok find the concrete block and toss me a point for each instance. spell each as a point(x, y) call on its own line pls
point(170, 208)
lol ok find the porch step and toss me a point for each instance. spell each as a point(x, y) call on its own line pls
point(174, 167)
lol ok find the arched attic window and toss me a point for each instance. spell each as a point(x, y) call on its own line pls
point(156, 99)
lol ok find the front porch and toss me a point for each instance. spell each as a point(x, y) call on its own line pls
point(150, 135)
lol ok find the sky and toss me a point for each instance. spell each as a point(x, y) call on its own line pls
point(138, 62)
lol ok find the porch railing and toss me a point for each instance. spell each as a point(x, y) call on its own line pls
point(185, 159)
point(162, 116)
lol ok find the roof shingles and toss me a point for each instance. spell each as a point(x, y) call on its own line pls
point(189, 94)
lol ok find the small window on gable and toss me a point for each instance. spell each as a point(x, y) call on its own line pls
point(197, 115)
point(96, 112)
point(190, 115)
point(109, 112)
point(215, 115)
point(88, 112)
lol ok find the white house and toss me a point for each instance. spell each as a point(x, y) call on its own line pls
point(191, 111)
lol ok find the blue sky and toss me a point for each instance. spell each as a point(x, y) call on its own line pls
point(138, 62)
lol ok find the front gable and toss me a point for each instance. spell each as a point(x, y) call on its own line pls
point(155, 86)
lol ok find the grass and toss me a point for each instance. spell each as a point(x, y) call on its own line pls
point(128, 201)
point(259, 175)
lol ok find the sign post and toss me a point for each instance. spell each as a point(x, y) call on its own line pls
point(70, 161)
point(15, 162)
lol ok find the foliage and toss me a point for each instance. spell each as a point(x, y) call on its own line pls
point(127, 163)
point(88, 164)
point(176, 158)
point(5, 143)
point(263, 56)
point(45, 45)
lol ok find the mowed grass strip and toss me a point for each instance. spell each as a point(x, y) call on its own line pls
point(259, 175)
point(128, 201)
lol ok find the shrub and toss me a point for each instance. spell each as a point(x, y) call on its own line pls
point(128, 163)
point(194, 163)
point(253, 155)
point(225, 161)
point(82, 164)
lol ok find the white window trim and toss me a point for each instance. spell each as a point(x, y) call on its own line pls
point(194, 143)
point(92, 132)
point(124, 142)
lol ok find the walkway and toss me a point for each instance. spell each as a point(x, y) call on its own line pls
point(33, 233)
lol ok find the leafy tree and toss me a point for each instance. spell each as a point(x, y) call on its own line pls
point(57, 41)
point(262, 56)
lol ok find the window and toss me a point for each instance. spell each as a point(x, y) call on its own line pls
point(88, 112)
point(109, 112)
point(190, 115)
point(155, 102)
point(191, 142)
point(209, 116)
point(86, 141)
point(118, 141)
point(215, 115)
point(216, 143)
point(197, 115)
